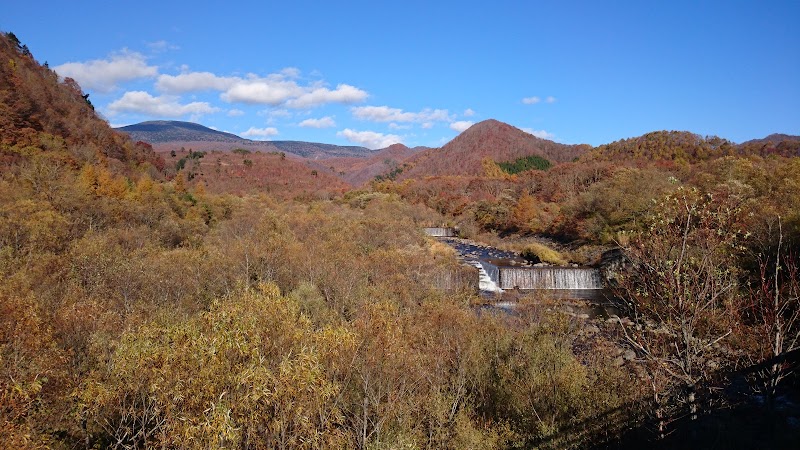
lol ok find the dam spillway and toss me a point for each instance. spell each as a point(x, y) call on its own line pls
point(440, 231)
point(502, 270)
point(545, 277)
point(549, 278)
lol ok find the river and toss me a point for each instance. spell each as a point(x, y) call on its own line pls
point(504, 275)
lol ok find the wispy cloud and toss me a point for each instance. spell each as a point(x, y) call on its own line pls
point(534, 100)
point(370, 139)
point(323, 122)
point(103, 75)
point(164, 106)
point(541, 134)
point(161, 46)
point(193, 82)
point(260, 132)
point(235, 113)
point(461, 125)
point(387, 114)
point(469, 112)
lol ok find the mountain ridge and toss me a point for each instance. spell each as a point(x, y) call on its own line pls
point(167, 135)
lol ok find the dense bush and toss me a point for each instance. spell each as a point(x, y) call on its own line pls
point(525, 163)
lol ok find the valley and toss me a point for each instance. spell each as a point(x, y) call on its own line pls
point(169, 285)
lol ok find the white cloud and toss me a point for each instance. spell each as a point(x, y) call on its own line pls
point(394, 126)
point(550, 99)
point(272, 90)
point(164, 106)
point(324, 122)
point(382, 114)
point(235, 113)
point(531, 100)
point(370, 139)
point(344, 93)
point(276, 89)
point(291, 72)
point(103, 74)
point(469, 112)
point(260, 132)
point(461, 125)
point(387, 114)
point(541, 134)
point(272, 113)
point(193, 81)
point(279, 113)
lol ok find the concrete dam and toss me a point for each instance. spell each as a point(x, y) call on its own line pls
point(501, 270)
point(440, 231)
point(544, 277)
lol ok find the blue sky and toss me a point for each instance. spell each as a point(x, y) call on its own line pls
point(371, 73)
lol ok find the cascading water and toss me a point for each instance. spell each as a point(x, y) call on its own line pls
point(499, 270)
point(549, 278)
point(487, 274)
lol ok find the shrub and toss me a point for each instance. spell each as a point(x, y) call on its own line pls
point(536, 251)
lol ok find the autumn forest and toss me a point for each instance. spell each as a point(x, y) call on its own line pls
point(246, 299)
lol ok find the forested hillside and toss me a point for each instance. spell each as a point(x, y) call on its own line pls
point(153, 304)
point(242, 171)
point(385, 163)
point(492, 140)
point(39, 112)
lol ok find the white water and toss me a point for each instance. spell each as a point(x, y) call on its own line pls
point(496, 278)
point(440, 231)
point(485, 281)
point(549, 278)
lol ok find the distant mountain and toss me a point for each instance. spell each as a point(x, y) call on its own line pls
point(162, 131)
point(491, 139)
point(774, 144)
point(167, 135)
point(314, 150)
point(775, 138)
point(358, 171)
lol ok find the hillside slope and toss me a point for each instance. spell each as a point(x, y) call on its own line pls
point(684, 146)
point(357, 171)
point(39, 111)
point(242, 172)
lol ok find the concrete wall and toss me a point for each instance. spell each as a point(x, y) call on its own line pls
point(440, 231)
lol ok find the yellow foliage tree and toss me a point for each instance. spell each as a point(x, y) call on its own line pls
point(524, 214)
point(110, 185)
point(491, 169)
point(180, 182)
